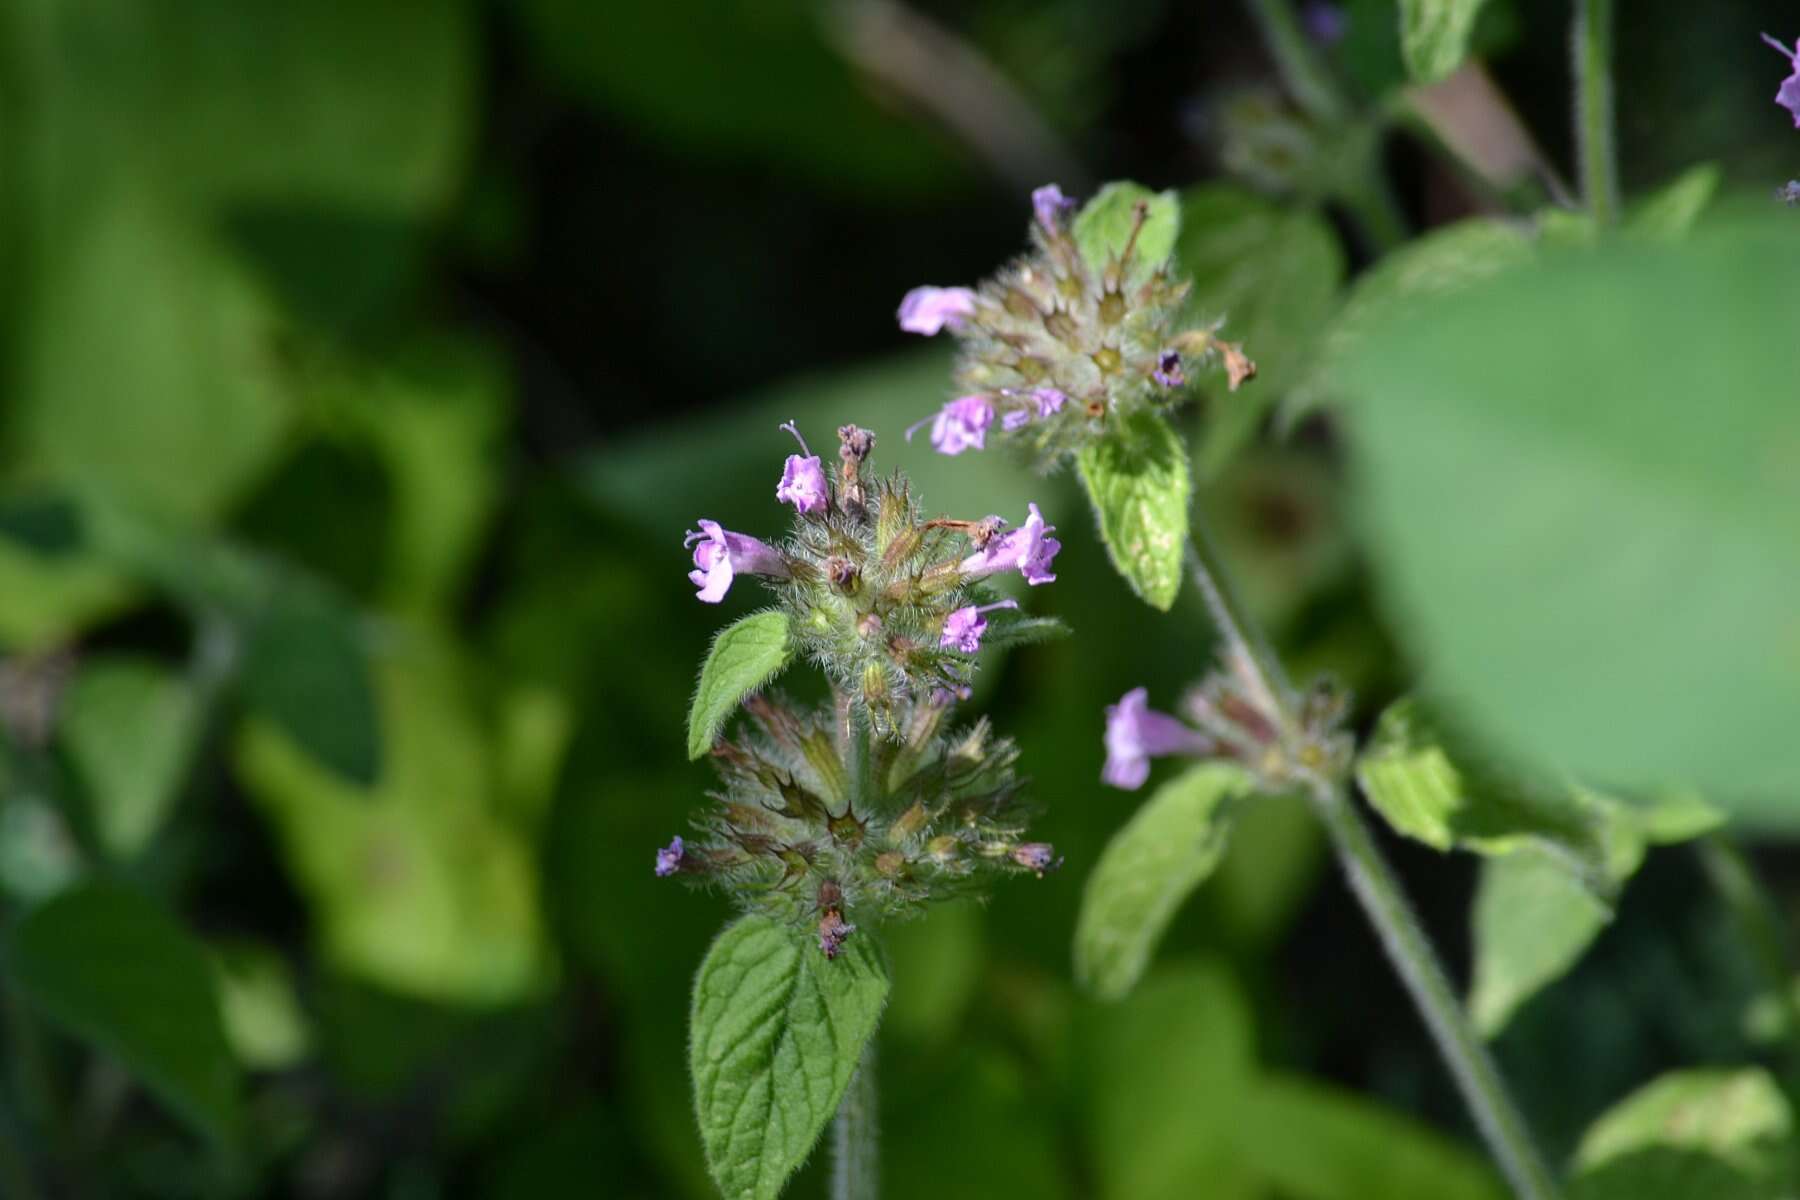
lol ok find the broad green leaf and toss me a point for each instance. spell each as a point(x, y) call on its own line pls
point(263, 1020)
point(1411, 279)
point(743, 657)
point(777, 1029)
point(1138, 482)
point(1434, 35)
point(1271, 273)
point(1532, 920)
point(1669, 212)
point(305, 670)
point(1167, 849)
point(1102, 229)
point(129, 727)
point(1352, 1148)
point(1161, 1082)
point(1707, 1134)
point(113, 969)
point(1592, 540)
point(420, 883)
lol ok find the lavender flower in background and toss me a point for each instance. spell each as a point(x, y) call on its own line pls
point(803, 481)
point(1788, 94)
point(926, 310)
point(1029, 549)
point(720, 554)
point(668, 859)
point(1789, 193)
point(963, 628)
point(1325, 23)
point(1136, 733)
point(959, 425)
point(1049, 203)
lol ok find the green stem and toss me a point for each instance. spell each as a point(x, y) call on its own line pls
point(1734, 878)
point(855, 1142)
point(1383, 901)
point(1593, 53)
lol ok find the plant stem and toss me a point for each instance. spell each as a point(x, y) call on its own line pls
point(1379, 891)
point(1592, 48)
point(855, 1141)
point(1734, 878)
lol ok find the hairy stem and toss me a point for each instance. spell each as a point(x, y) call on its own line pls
point(1733, 877)
point(855, 1140)
point(1592, 48)
point(1383, 900)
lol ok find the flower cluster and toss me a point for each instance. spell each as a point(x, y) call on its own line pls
point(888, 603)
point(797, 832)
point(1056, 348)
point(1788, 94)
point(1228, 716)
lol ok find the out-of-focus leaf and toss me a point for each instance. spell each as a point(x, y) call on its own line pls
point(1669, 212)
point(306, 671)
point(1138, 482)
point(1709, 1134)
point(1314, 1142)
point(416, 883)
point(128, 726)
point(1434, 35)
point(776, 1031)
point(1167, 849)
point(1103, 228)
point(1278, 851)
point(1021, 1150)
point(115, 970)
point(1532, 920)
point(263, 1020)
point(1539, 518)
point(48, 524)
point(743, 657)
point(937, 964)
point(1162, 1083)
point(1272, 274)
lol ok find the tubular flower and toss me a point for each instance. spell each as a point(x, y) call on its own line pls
point(1788, 94)
point(926, 310)
point(720, 554)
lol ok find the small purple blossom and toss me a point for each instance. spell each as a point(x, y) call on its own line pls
point(1788, 95)
point(1030, 548)
point(833, 932)
point(963, 629)
point(1136, 733)
point(1168, 369)
point(1050, 204)
point(928, 309)
point(1038, 857)
point(1325, 23)
point(803, 479)
point(720, 554)
point(1049, 400)
point(960, 424)
point(668, 859)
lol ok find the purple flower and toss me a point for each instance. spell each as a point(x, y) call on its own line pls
point(964, 628)
point(1050, 204)
point(1036, 856)
point(1168, 369)
point(803, 479)
point(1046, 401)
point(720, 554)
point(1788, 95)
point(1029, 548)
point(1325, 23)
point(1136, 733)
point(926, 310)
point(960, 424)
point(668, 859)
point(833, 931)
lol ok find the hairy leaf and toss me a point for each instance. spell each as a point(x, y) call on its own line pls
point(1102, 229)
point(743, 657)
point(1163, 853)
point(1434, 35)
point(1708, 1134)
point(777, 1029)
point(1138, 482)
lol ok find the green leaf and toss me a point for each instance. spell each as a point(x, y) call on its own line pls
point(1668, 213)
point(777, 1029)
point(305, 669)
point(264, 1022)
point(1102, 229)
point(1579, 482)
point(1167, 849)
point(128, 726)
point(1532, 920)
point(1138, 482)
point(743, 657)
point(1272, 273)
point(115, 970)
point(1434, 35)
point(47, 524)
point(1708, 1134)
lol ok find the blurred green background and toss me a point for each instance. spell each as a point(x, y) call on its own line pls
point(362, 366)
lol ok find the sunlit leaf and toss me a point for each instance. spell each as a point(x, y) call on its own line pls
point(743, 657)
point(1104, 226)
point(1708, 1134)
point(1138, 482)
point(1434, 35)
point(129, 728)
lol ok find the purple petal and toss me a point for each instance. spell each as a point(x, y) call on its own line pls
point(668, 859)
point(962, 424)
point(803, 484)
point(927, 310)
point(1136, 733)
point(1049, 203)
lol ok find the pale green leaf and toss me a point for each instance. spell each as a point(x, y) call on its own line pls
point(113, 969)
point(1532, 920)
point(777, 1029)
point(1102, 229)
point(128, 727)
point(1167, 849)
point(1708, 1134)
point(1572, 463)
point(264, 1022)
point(1669, 212)
point(1138, 481)
point(1434, 35)
point(743, 657)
